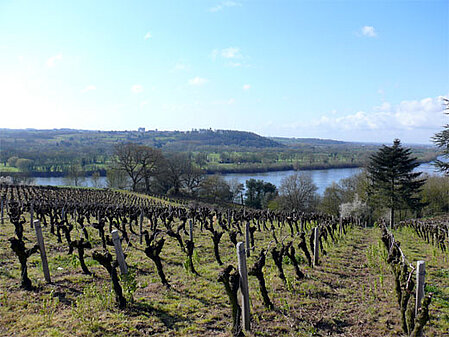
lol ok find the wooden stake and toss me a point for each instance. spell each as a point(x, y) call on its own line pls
point(31, 214)
point(3, 220)
point(40, 241)
point(140, 227)
point(191, 230)
point(316, 246)
point(420, 278)
point(244, 285)
point(119, 252)
point(247, 240)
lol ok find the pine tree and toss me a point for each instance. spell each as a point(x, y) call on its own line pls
point(393, 184)
point(441, 139)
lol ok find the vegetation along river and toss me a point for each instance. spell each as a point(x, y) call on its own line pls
point(322, 178)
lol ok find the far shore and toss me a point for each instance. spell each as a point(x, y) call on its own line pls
point(234, 170)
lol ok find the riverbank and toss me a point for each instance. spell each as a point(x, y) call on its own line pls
point(247, 168)
point(224, 170)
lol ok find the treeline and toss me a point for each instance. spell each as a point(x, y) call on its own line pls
point(218, 151)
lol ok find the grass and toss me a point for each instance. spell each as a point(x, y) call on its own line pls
point(349, 293)
point(437, 276)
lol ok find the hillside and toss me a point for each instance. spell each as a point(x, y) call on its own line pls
point(52, 151)
point(165, 289)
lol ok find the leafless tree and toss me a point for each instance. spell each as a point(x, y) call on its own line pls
point(298, 192)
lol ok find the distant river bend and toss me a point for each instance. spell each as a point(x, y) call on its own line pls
point(322, 178)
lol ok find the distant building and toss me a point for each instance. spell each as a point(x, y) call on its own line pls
point(141, 129)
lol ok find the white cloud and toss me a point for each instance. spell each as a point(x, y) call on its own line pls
point(246, 86)
point(231, 56)
point(412, 121)
point(53, 59)
point(425, 113)
point(223, 5)
point(181, 66)
point(231, 53)
point(198, 81)
point(368, 31)
point(142, 104)
point(137, 88)
point(147, 36)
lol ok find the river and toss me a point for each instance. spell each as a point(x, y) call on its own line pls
point(322, 178)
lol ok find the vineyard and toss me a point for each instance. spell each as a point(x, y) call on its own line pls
point(87, 262)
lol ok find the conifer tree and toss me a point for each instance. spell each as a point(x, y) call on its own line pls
point(393, 184)
point(441, 139)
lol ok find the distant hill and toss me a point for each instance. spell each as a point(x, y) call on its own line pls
point(209, 137)
point(309, 141)
point(53, 151)
point(170, 140)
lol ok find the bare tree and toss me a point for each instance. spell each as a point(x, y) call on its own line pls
point(237, 189)
point(95, 178)
point(151, 161)
point(140, 162)
point(127, 160)
point(116, 178)
point(193, 178)
point(75, 174)
point(175, 168)
point(298, 192)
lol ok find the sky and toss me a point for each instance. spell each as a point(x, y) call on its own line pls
point(368, 71)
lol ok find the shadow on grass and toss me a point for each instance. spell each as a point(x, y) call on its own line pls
point(192, 297)
point(170, 321)
point(332, 326)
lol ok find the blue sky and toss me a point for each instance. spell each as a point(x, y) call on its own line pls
point(349, 70)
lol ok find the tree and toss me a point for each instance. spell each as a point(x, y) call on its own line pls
point(140, 162)
point(127, 160)
point(215, 188)
point(356, 208)
point(343, 192)
point(173, 173)
point(24, 165)
point(116, 178)
point(75, 174)
point(259, 193)
point(151, 162)
point(237, 189)
point(298, 192)
point(435, 194)
point(193, 178)
point(95, 178)
point(441, 139)
point(331, 200)
point(393, 184)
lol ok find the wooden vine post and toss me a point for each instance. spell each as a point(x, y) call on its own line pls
point(420, 278)
point(247, 240)
point(316, 245)
point(31, 214)
point(119, 252)
point(244, 285)
point(141, 227)
point(2, 210)
point(40, 241)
